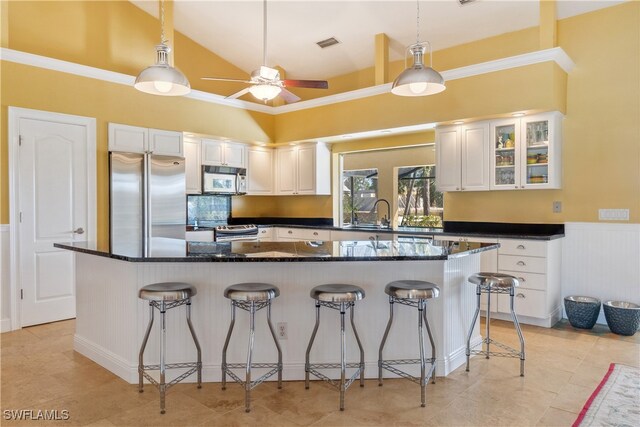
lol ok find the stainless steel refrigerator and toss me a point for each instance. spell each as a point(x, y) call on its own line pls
point(147, 199)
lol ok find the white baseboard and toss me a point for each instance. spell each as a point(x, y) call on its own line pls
point(5, 325)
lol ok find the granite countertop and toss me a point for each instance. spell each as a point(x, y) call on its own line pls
point(178, 250)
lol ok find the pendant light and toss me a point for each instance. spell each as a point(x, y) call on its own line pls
point(161, 78)
point(418, 80)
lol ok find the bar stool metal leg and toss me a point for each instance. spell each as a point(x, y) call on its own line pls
point(433, 345)
point(517, 326)
point(247, 384)
point(423, 383)
point(196, 342)
point(142, 347)
point(226, 345)
point(343, 356)
point(488, 321)
point(355, 333)
point(473, 324)
point(313, 337)
point(384, 340)
point(163, 352)
point(275, 340)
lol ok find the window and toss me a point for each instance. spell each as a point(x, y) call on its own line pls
point(208, 211)
point(419, 203)
point(359, 193)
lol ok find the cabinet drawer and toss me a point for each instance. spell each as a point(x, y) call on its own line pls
point(265, 233)
point(199, 236)
point(527, 302)
point(525, 264)
point(529, 280)
point(304, 234)
point(523, 247)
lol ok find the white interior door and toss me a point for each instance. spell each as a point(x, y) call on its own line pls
point(56, 203)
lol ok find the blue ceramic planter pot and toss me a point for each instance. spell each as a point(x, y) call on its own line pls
point(622, 317)
point(582, 312)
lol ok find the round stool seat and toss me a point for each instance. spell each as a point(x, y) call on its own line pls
point(251, 292)
point(412, 289)
point(494, 280)
point(168, 291)
point(337, 293)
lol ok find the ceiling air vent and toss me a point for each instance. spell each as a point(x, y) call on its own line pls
point(327, 42)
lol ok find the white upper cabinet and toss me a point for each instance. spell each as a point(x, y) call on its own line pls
point(260, 164)
point(223, 153)
point(526, 152)
point(462, 157)
point(303, 169)
point(193, 166)
point(134, 139)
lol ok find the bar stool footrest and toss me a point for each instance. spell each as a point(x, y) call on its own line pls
point(194, 369)
point(508, 351)
point(313, 369)
point(275, 368)
point(388, 365)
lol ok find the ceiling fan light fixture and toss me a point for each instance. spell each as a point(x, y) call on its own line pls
point(265, 92)
point(161, 78)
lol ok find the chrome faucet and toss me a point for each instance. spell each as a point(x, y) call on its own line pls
point(386, 220)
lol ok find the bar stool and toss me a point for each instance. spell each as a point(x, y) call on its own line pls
point(496, 283)
point(250, 297)
point(165, 296)
point(413, 293)
point(337, 297)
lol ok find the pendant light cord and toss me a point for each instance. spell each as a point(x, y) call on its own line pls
point(264, 33)
point(162, 40)
point(417, 21)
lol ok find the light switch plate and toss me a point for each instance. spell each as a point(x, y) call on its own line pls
point(613, 214)
point(557, 207)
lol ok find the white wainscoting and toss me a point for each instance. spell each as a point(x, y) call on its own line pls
point(5, 303)
point(601, 260)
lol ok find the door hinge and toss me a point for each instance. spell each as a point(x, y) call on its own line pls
point(20, 216)
point(21, 293)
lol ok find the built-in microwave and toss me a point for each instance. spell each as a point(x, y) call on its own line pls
point(224, 180)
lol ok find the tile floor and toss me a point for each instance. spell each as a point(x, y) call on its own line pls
point(41, 371)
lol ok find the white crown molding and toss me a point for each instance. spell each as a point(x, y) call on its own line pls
point(556, 54)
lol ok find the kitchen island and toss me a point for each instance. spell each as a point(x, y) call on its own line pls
point(111, 320)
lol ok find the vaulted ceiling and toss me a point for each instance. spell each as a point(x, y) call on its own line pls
point(233, 29)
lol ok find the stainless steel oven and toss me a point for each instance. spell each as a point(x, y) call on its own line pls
point(230, 233)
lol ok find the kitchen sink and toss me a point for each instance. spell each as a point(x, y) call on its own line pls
point(366, 227)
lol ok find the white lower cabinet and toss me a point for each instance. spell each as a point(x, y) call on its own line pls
point(265, 233)
point(199, 236)
point(297, 234)
point(536, 264)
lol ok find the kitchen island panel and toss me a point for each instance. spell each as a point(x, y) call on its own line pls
point(112, 320)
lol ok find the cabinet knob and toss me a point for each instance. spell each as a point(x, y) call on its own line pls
point(521, 295)
point(462, 188)
point(520, 247)
point(522, 186)
point(517, 186)
point(521, 263)
point(521, 279)
point(457, 188)
point(290, 232)
point(315, 233)
point(263, 231)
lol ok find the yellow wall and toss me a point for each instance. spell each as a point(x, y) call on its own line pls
point(601, 153)
point(30, 87)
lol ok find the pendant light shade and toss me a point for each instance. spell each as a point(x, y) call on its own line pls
point(161, 78)
point(418, 80)
point(265, 92)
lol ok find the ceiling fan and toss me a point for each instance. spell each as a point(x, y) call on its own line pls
point(265, 82)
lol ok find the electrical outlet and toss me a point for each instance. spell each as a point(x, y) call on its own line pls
point(557, 207)
point(281, 330)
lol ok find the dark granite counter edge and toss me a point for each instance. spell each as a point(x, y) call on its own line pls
point(209, 258)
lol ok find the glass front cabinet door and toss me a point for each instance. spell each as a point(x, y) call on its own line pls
point(526, 152)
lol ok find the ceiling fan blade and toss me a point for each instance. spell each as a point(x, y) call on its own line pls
point(289, 97)
point(220, 79)
point(238, 94)
point(310, 84)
